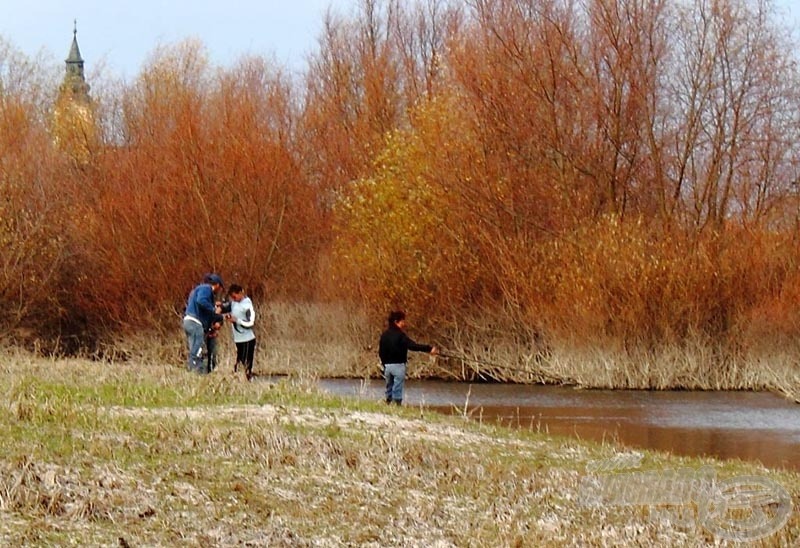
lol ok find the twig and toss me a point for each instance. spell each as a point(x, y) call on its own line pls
point(474, 362)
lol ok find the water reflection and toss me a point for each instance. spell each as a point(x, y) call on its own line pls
point(759, 426)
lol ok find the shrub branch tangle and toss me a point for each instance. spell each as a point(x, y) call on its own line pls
point(613, 173)
point(612, 184)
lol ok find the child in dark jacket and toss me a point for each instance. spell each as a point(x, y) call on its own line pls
point(393, 351)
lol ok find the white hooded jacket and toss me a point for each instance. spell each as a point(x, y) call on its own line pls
point(245, 316)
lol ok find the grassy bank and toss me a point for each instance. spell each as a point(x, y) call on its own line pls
point(331, 340)
point(143, 454)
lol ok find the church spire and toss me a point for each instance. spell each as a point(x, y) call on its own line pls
point(74, 80)
point(73, 122)
point(74, 59)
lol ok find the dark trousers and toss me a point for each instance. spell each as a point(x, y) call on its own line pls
point(245, 353)
point(211, 352)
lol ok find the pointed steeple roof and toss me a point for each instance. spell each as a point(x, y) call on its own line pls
point(74, 51)
point(74, 79)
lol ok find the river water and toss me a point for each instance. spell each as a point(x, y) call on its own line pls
point(754, 426)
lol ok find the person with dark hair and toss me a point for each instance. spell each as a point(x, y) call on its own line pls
point(242, 318)
point(393, 351)
point(201, 313)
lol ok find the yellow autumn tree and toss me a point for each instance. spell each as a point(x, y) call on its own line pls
point(384, 223)
point(400, 233)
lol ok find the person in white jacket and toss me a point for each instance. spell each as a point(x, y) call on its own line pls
point(242, 317)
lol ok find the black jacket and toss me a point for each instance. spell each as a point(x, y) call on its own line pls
point(395, 344)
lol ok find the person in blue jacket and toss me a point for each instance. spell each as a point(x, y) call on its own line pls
point(201, 313)
point(393, 350)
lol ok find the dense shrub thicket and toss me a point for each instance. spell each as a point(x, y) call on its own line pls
point(608, 172)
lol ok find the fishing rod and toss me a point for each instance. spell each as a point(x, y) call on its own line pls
point(474, 362)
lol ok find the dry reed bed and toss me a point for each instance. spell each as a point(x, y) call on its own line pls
point(104, 454)
point(291, 342)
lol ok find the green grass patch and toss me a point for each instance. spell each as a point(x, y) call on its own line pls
point(95, 453)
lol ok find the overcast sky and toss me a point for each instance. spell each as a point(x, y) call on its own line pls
point(121, 33)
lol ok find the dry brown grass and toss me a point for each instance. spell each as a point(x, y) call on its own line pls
point(142, 454)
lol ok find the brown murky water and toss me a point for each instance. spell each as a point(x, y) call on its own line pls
point(751, 426)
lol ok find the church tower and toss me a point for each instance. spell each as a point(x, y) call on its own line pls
point(74, 80)
point(74, 127)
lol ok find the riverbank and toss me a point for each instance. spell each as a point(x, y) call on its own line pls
point(291, 341)
point(753, 426)
point(139, 453)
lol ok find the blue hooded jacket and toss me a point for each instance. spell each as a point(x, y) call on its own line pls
point(200, 305)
